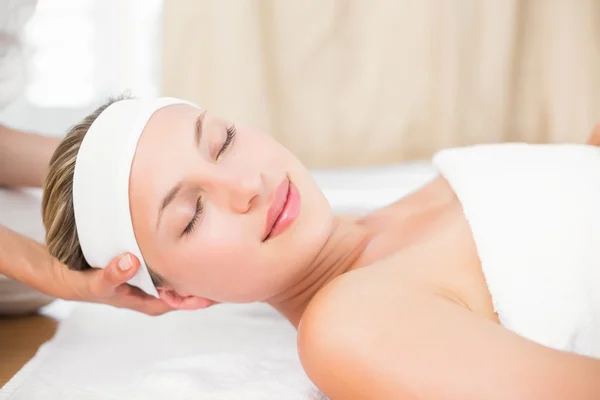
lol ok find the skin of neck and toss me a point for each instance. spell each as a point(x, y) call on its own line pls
point(341, 253)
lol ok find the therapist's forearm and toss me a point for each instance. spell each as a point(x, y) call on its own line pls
point(20, 256)
point(24, 157)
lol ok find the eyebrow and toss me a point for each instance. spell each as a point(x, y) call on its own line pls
point(198, 129)
point(167, 200)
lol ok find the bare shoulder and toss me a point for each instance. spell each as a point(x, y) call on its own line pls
point(367, 337)
point(321, 330)
point(340, 327)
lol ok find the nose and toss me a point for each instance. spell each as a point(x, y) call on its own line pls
point(236, 189)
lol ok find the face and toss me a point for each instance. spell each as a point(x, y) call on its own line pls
point(222, 211)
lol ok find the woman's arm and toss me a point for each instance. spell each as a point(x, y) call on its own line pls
point(24, 157)
point(361, 340)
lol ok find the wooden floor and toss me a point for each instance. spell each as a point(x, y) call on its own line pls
point(20, 338)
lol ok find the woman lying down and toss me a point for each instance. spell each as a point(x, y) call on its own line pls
point(483, 284)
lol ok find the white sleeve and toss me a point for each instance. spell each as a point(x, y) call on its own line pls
point(14, 14)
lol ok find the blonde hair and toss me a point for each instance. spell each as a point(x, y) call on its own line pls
point(57, 201)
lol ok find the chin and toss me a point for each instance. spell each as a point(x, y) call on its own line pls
point(314, 227)
point(316, 211)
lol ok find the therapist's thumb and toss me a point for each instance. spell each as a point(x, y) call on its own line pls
point(121, 269)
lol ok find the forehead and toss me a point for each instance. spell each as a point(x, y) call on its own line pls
point(169, 122)
point(167, 131)
point(166, 139)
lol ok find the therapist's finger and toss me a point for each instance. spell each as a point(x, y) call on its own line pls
point(120, 270)
point(135, 299)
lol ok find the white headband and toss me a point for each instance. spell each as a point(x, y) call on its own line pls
point(101, 184)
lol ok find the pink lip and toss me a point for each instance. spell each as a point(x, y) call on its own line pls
point(283, 210)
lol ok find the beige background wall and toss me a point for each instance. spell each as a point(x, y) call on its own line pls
point(364, 82)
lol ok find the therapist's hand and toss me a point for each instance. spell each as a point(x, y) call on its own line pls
point(109, 286)
point(29, 262)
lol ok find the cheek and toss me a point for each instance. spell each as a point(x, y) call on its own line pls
point(217, 263)
point(256, 144)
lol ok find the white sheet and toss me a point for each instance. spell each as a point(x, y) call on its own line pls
point(227, 352)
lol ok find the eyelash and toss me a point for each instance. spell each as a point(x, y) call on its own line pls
point(231, 131)
point(190, 227)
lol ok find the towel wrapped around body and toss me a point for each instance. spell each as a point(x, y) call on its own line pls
point(534, 211)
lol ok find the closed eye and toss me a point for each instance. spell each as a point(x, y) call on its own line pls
point(231, 131)
point(192, 224)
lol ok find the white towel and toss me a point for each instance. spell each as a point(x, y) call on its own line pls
point(535, 215)
point(227, 352)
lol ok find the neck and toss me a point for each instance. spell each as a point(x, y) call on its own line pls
point(340, 254)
